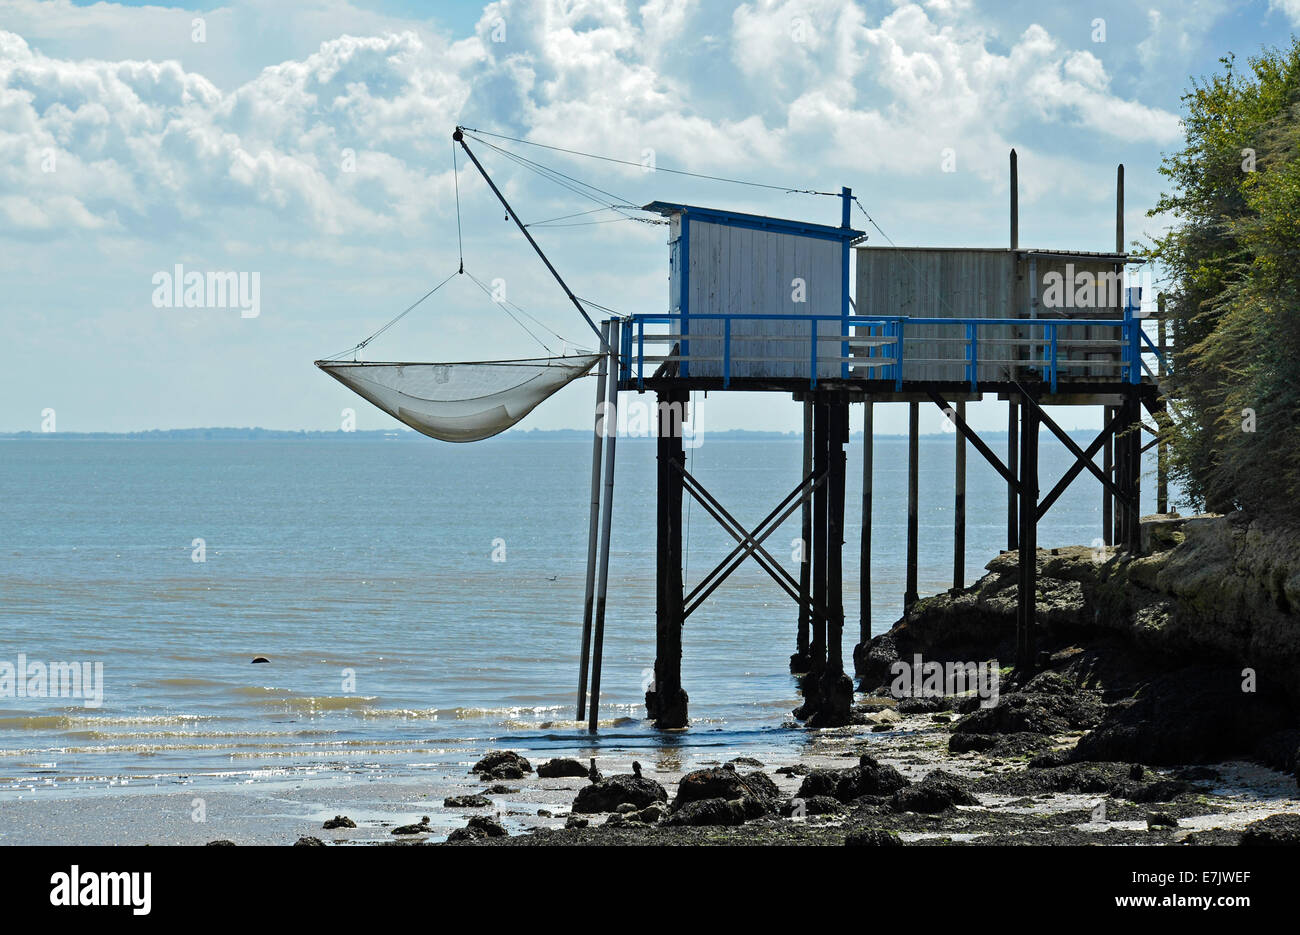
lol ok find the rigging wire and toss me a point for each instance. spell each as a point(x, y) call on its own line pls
point(506, 306)
point(404, 313)
point(455, 176)
point(625, 162)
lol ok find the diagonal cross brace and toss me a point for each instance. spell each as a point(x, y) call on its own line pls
point(1075, 469)
point(1081, 458)
point(749, 543)
point(975, 440)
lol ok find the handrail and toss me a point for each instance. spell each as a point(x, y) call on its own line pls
point(886, 338)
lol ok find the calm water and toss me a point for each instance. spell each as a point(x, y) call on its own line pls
point(364, 572)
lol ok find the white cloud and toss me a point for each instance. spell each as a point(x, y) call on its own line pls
point(1290, 8)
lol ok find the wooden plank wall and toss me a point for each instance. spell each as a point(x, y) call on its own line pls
point(737, 270)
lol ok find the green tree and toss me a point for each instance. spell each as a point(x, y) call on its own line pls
point(1233, 258)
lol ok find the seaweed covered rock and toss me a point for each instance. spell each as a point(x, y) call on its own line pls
point(480, 826)
point(717, 811)
point(1197, 714)
point(869, 777)
point(613, 791)
point(939, 791)
point(725, 783)
point(1273, 831)
point(502, 764)
point(873, 837)
point(1048, 704)
point(562, 767)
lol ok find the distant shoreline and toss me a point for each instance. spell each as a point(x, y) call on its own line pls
point(390, 435)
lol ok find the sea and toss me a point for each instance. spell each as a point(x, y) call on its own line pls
point(418, 602)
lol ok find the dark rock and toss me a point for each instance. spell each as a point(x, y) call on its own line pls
point(260, 660)
point(339, 821)
point(798, 769)
point(651, 814)
point(309, 842)
point(869, 777)
point(939, 791)
point(723, 783)
point(1197, 714)
point(500, 790)
point(1273, 831)
point(814, 805)
point(474, 800)
point(502, 764)
point(999, 745)
point(1161, 820)
point(1049, 704)
point(544, 813)
point(745, 761)
point(574, 821)
point(562, 768)
point(925, 705)
point(612, 791)
point(941, 718)
point(220, 843)
point(1281, 751)
point(1161, 790)
point(480, 826)
point(873, 837)
point(422, 827)
point(623, 808)
point(1197, 774)
point(716, 812)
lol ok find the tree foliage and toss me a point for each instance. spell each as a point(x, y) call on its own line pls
point(1233, 256)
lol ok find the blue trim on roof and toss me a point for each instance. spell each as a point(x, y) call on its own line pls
point(684, 252)
point(755, 221)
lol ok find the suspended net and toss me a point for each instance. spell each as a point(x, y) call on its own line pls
point(459, 402)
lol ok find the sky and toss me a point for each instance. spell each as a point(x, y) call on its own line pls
point(307, 148)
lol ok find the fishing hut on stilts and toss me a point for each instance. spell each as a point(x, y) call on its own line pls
point(761, 304)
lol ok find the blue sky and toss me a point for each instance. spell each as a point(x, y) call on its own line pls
point(310, 143)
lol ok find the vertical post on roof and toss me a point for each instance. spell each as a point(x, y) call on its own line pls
point(602, 583)
point(910, 596)
point(1012, 425)
point(593, 524)
point(846, 199)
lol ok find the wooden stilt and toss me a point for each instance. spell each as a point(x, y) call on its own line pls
point(864, 561)
point(1108, 468)
point(910, 596)
point(821, 509)
point(1013, 528)
point(1162, 423)
point(666, 702)
point(1026, 648)
point(593, 525)
point(959, 503)
point(839, 430)
point(602, 582)
point(799, 661)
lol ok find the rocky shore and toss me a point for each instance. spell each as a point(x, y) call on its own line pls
point(1163, 710)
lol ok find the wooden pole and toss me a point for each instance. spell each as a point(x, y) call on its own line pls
point(1015, 203)
point(1013, 531)
point(593, 525)
point(839, 430)
point(821, 510)
point(1027, 610)
point(959, 504)
point(799, 661)
point(1162, 448)
point(1108, 468)
point(864, 582)
point(667, 703)
point(602, 582)
point(910, 596)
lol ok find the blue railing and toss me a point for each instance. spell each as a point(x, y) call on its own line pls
point(883, 338)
